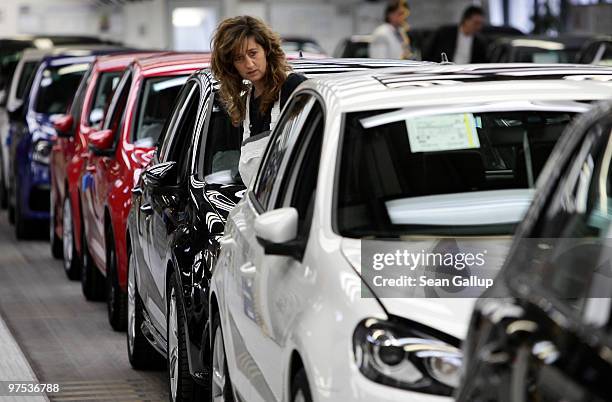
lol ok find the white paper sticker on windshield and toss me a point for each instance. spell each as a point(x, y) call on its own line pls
point(442, 133)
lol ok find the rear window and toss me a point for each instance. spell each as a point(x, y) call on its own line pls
point(58, 87)
point(156, 102)
point(455, 174)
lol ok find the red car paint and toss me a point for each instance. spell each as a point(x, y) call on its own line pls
point(107, 199)
point(69, 153)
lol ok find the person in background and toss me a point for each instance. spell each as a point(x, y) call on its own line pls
point(462, 44)
point(255, 83)
point(390, 40)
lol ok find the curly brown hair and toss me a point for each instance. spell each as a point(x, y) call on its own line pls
point(229, 39)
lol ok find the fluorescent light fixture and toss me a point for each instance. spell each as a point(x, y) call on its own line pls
point(169, 83)
point(542, 44)
point(187, 17)
point(43, 43)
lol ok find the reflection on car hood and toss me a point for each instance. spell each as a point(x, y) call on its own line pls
point(450, 315)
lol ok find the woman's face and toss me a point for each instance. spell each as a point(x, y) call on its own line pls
point(250, 61)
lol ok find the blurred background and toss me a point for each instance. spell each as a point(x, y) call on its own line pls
point(188, 24)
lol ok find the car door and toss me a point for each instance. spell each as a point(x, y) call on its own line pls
point(261, 303)
point(162, 207)
point(540, 343)
point(100, 167)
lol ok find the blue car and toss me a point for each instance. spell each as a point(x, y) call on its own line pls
point(51, 91)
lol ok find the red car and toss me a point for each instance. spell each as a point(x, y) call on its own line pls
point(138, 111)
point(70, 150)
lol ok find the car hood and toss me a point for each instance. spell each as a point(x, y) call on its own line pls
point(449, 315)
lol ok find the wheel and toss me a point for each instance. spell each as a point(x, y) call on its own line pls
point(182, 386)
point(221, 385)
point(116, 299)
point(72, 264)
point(54, 239)
point(140, 352)
point(300, 391)
point(92, 281)
point(22, 229)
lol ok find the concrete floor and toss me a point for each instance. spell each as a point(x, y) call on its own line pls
point(66, 339)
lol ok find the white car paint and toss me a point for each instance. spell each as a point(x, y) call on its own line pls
point(273, 306)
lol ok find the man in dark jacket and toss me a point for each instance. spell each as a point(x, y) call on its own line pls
point(461, 44)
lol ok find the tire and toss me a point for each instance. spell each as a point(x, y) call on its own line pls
point(300, 391)
point(116, 299)
point(72, 263)
point(92, 281)
point(180, 382)
point(141, 354)
point(22, 229)
point(220, 382)
point(54, 239)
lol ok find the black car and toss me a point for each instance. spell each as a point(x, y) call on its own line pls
point(536, 49)
point(178, 214)
point(543, 332)
point(597, 51)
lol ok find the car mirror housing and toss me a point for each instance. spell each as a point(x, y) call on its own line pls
point(276, 231)
point(161, 175)
point(63, 125)
point(101, 142)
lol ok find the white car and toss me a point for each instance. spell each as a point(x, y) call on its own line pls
point(377, 156)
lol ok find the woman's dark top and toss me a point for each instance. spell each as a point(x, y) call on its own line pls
point(261, 123)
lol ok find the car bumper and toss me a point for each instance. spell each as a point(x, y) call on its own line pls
point(35, 188)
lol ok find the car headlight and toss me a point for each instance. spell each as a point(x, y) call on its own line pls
point(394, 354)
point(42, 150)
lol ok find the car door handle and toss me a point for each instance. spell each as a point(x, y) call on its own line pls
point(90, 168)
point(84, 155)
point(146, 209)
point(137, 190)
point(247, 268)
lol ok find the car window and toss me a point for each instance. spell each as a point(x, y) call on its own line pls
point(185, 129)
point(571, 260)
point(180, 108)
point(219, 148)
point(154, 106)
point(398, 175)
point(107, 83)
point(58, 86)
point(299, 182)
point(118, 103)
point(24, 78)
point(282, 138)
point(76, 106)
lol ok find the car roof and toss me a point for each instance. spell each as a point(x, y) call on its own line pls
point(322, 66)
point(118, 61)
point(437, 85)
point(172, 62)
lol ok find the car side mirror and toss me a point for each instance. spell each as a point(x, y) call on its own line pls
point(276, 231)
point(63, 125)
point(101, 142)
point(160, 175)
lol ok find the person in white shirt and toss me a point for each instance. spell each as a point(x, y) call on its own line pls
point(462, 44)
point(390, 40)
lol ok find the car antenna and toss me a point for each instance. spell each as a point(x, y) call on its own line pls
point(301, 55)
point(444, 58)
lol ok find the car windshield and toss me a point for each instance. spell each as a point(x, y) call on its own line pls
point(538, 55)
point(461, 174)
point(156, 101)
point(58, 87)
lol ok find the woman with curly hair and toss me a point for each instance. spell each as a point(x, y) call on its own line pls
point(256, 81)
